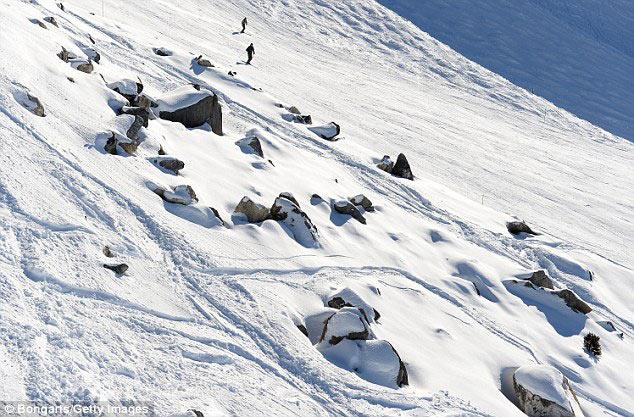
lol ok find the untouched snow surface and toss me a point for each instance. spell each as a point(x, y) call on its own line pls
point(579, 54)
point(206, 315)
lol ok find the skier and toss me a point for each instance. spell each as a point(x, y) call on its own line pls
point(244, 25)
point(250, 53)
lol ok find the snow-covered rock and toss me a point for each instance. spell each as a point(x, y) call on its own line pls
point(251, 145)
point(373, 360)
point(180, 194)
point(328, 131)
point(191, 108)
point(347, 297)
point(347, 208)
point(386, 164)
point(127, 88)
point(287, 212)
point(543, 391)
point(162, 51)
point(363, 201)
point(347, 323)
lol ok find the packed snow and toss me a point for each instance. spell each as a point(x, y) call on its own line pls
point(212, 311)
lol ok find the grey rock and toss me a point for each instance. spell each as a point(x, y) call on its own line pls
point(401, 168)
point(573, 301)
point(289, 196)
point(386, 164)
point(118, 141)
point(137, 111)
point(65, 55)
point(39, 23)
point(51, 20)
point(294, 110)
point(346, 207)
point(162, 51)
point(118, 269)
point(517, 227)
point(86, 67)
point(108, 252)
point(251, 144)
point(254, 212)
point(35, 106)
point(286, 210)
point(207, 110)
point(181, 194)
point(541, 279)
point(535, 406)
point(135, 128)
point(169, 163)
point(203, 62)
point(304, 119)
point(363, 201)
point(129, 89)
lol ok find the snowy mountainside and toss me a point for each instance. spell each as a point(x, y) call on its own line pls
point(206, 315)
point(576, 54)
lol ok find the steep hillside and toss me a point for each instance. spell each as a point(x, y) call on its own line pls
point(576, 54)
point(211, 311)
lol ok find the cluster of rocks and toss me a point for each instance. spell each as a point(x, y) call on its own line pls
point(118, 269)
point(539, 280)
point(399, 169)
point(48, 19)
point(80, 64)
point(342, 332)
point(286, 210)
point(354, 206)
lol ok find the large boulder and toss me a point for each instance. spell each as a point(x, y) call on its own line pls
point(346, 297)
point(401, 168)
point(254, 212)
point(347, 323)
point(363, 201)
point(192, 108)
point(286, 210)
point(346, 207)
point(328, 131)
point(373, 360)
point(127, 88)
point(573, 301)
point(543, 391)
point(541, 279)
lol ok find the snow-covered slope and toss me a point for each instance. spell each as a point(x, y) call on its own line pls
point(578, 54)
point(206, 315)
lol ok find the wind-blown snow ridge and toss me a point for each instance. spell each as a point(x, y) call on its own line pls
point(206, 317)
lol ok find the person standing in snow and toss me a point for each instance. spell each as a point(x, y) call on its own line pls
point(244, 25)
point(250, 53)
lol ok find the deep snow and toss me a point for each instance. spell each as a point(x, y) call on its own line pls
point(578, 54)
point(206, 315)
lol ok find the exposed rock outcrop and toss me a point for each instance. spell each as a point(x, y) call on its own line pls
point(517, 227)
point(169, 163)
point(192, 108)
point(254, 212)
point(251, 145)
point(286, 210)
point(543, 391)
point(401, 168)
point(573, 301)
point(363, 201)
point(386, 164)
point(346, 207)
point(541, 279)
point(118, 269)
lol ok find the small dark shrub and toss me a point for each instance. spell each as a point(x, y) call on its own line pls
point(591, 343)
